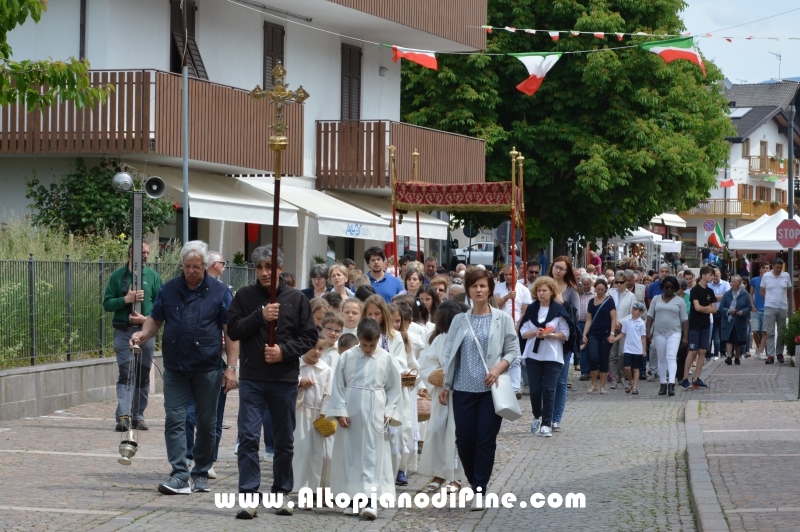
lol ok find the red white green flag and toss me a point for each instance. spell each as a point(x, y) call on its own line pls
point(425, 58)
point(716, 239)
point(672, 49)
point(538, 64)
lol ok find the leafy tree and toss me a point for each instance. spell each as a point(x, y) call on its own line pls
point(611, 138)
point(84, 203)
point(24, 80)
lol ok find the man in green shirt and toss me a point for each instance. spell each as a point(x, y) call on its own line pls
point(133, 384)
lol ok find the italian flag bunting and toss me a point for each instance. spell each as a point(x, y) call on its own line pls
point(672, 49)
point(716, 239)
point(538, 64)
point(421, 57)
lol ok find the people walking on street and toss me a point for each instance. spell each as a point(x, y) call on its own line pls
point(633, 336)
point(601, 321)
point(586, 295)
point(703, 304)
point(719, 286)
point(667, 328)
point(735, 309)
point(757, 315)
point(623, 301)
point(775, 288)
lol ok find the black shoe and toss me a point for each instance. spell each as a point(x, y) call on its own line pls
point(769, 360)
point(780, 359)
point(663, 390)
point(123, 424)
point(737, 361)
point(139, 424)
point(671, 390)
point(728, 360)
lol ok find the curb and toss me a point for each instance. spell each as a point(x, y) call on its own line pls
point(705, 505)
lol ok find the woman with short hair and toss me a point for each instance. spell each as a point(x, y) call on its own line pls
point(319, 282)
point(338, 276)
point(734, 311)
point(668, 328)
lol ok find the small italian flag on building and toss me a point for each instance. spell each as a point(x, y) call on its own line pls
point(716, 239)
point(425, 58)
point(672, 49)
point(538, 64)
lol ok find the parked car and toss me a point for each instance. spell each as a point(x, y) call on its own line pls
point(486, 253)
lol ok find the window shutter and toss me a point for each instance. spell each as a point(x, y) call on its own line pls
point(746, 149)
point(273, 51)
point(740, 192)
point(196, 66)
point(351, 82)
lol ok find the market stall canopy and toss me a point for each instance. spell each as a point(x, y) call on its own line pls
point(739, 231)
point(672, 220)
point(219, 197)
point(430, 227)
point(670, 246)
point(334, 216)
point(761, 237)
point(641, 235)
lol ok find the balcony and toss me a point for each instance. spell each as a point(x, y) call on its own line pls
point(456, 20)
point(733, 208)
point(355, 155)
point(766, 165)
point(142, 117)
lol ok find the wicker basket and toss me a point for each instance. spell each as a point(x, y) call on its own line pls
point(437, 378)
point(409, 379)
point(423, 409)
point(325, 427)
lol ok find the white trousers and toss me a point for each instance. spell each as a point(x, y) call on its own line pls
point(667, 352)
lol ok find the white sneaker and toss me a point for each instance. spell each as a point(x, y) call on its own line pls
point(211, 473)
point(544, 432)
point(350, 510)
point(475, 507)
point(268, 457)
point(370, 513)
point(536, 425)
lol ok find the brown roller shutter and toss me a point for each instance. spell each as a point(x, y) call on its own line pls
point(351, 82)
point(273, 51)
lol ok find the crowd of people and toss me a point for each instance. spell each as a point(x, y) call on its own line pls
point(364, 378)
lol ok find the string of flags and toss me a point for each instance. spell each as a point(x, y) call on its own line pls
point(556, 34)
point(539, 64)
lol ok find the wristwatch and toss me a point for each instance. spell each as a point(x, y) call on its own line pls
point(230, 367)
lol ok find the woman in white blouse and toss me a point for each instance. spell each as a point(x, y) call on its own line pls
point(546, 327)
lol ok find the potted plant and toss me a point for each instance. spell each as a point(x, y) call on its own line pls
point(791, 334)
point(774, 204)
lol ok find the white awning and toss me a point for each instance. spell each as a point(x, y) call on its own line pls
point(429, 226)
point(673, 220)
point(218, 197)
point(334, 216)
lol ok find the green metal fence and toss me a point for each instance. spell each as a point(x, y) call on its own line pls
point(51, 311)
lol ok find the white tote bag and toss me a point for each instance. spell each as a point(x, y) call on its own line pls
point(505, 400)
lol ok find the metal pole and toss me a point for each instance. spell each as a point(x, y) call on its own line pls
point(136, 255)
point(790, 262)
point(273, 292)
point(32, 308)
point(185, 121)
point(68, 297)
point(102, 314)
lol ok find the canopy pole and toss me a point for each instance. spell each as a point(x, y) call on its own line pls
point(520, 161)
point(393, 184)
point(415, 155)
point(513, 240)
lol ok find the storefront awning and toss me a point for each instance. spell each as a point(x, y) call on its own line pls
point(334, 216)
point(429, 226)
point(218, 197)
point(672, 220)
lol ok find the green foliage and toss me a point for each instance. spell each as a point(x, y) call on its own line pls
point(611, 139)
point(791, 332)
point(84, 203)
point(238, 259)
point(24, 80)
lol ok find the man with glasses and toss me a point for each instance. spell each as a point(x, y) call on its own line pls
point(119, 298)
point(623, 301)
point(217, 265)
point(533, 271)
point(757, 316)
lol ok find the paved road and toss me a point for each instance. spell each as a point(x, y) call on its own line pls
point(624, 453)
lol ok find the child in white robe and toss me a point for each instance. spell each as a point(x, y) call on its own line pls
point(311, 448)
point(332, 325)
point(351, 313)
point(365, 399)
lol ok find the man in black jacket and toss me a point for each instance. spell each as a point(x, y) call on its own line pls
point(268, 375)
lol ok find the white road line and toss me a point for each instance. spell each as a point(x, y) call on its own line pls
point(91, 455)
point(763, 510)
point(753, 430)
point(722, 455)
point(58, 510)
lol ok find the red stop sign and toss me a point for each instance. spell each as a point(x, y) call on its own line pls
point(788, 234)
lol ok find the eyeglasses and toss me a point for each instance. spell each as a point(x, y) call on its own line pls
point(194, 267)
point(559, 268)
point(332, 330)
point(533, 272)
point(619, 282)
point(223, 262)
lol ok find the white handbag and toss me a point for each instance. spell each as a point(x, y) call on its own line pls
point(503, 396)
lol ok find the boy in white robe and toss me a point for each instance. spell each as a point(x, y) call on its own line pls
point(312, 450)
point(332, 324)
point(365, 396)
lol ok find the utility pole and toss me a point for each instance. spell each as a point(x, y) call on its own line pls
point(790, 262)
point(185, 122)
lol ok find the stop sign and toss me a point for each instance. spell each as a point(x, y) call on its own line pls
point(788, 234)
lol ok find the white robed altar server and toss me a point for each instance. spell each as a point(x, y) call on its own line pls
point(366, 390)
point(310, 447)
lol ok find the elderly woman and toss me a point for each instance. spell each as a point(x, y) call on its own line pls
point(441, 284)
point(734, 310)
point(338, 275)
point(319, 282)
point(545, 326)
point(482, 338)
point(668, 328)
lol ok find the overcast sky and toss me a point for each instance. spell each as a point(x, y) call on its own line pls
point(745, 61)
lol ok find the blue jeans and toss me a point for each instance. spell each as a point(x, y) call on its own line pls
point(561, 390)
point(179, 388)
point(269, 445)
point(190, 426)
point(718, 346)
point(132, 396)
point(477, 427)
point(543, 377)
point(583, 356)
point(255, 397)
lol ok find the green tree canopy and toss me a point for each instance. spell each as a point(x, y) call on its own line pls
point(83, 203)
point(24, 80)
point(611, 138)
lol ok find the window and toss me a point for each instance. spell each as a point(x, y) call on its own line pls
point(273, 51)
point(782, 197)
point(745, 192)
point(196, 67)
point(763, 194)
point(746, 149)
point(351, 82)
point(779, 151)
point(763, 148)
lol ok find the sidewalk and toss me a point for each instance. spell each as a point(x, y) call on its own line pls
point(742, 435)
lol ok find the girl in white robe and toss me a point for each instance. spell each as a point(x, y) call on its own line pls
point(365, 400)
point(439, 457)
point(401, 320)
point(311, 449)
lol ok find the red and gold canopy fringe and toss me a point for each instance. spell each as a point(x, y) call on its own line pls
point(485, 197)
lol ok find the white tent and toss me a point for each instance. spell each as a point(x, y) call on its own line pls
point(670, 246)
point(739, 231)
point(761, 237)
point(641, 235)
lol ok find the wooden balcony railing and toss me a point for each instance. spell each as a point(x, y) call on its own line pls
point(732, 208)
point(142, 115)
point(457, 20)
point(355, 154)
point(761, 165)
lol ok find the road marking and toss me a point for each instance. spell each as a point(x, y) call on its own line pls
point(753, 430)
point(91, 455)
point(755, 455)
point(763, 510)
point(58, 510)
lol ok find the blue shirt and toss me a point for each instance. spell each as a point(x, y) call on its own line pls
point(758, 299)
point(654, 289)
point(388, 287)
point(712, 258)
